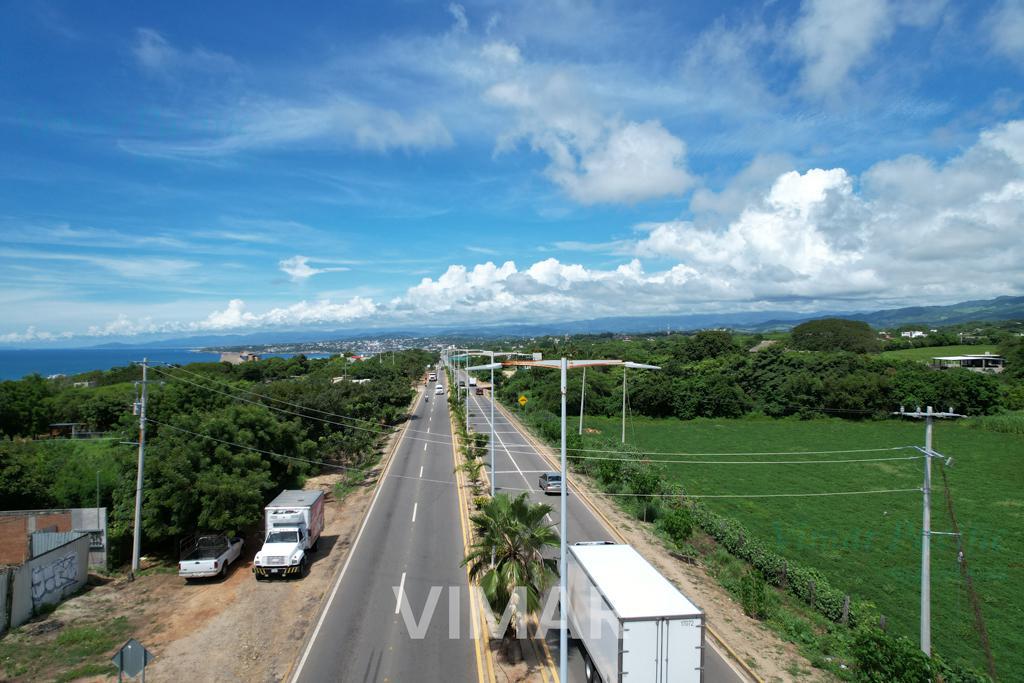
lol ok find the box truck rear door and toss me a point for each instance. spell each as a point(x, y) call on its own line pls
point(682, 650)
point(641, 647)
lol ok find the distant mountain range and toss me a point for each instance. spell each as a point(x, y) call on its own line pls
point(1000, 308)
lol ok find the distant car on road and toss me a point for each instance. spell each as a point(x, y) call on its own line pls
point(439, 389)
point(432, 377)
point(479, 391)
point(551, 482)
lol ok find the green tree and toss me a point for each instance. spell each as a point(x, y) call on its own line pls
point(509, 554)
point(23, 408)
point(834, 334)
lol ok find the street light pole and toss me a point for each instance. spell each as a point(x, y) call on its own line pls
point(564, 365)
point(491, 441)
point(563, 631)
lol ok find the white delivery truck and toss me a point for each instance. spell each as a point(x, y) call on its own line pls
point(294, 521)
point(632, 623)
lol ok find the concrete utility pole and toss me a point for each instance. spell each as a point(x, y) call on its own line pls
point(623, 405)
point(583, 396)
point(926, 521)
point(137, 540)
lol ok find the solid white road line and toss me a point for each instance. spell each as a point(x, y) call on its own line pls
point(401, 590)
point(516, 465)
point(414, 507)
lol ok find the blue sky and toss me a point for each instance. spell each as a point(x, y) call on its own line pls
point(219, 167)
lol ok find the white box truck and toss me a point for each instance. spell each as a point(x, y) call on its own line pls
point(294, 521)
point(632, 623)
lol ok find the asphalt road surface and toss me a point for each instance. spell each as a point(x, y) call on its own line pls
point(518, 466)
point(411, 541)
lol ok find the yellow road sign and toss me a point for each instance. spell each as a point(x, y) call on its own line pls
point(522, 400)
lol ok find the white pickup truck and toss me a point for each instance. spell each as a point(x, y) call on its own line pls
point(209, 555)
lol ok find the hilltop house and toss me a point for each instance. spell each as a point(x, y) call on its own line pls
point(237, 357)
point(982, 362)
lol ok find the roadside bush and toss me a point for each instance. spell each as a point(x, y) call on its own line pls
point(678, 524)
point(884, 659)
point(756, 597)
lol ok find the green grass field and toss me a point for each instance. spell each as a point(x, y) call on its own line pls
point(869, 545)
point(926, 354)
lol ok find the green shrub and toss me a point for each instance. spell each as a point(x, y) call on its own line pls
point(677, 523)
point(756, 597)
point(884, 659)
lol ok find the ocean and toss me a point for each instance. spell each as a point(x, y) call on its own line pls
point(17, 364)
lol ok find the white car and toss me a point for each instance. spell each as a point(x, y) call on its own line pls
point(439, 389)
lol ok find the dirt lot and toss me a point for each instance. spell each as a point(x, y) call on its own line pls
point(233, 629)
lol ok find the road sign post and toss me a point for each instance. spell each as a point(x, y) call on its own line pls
point(522, 401)
point(132, 659)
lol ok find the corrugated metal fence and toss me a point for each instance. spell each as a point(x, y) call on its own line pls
point(45, 541)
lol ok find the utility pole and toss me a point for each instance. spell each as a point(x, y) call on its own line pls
point(137, 540)
point(583, 396)
point(926, 521)
point(623, 404)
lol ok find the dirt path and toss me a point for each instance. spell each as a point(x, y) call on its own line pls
point(245, 630)
point(233, 629)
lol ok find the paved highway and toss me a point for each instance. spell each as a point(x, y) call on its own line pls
point(412, 540)
point(518, 467)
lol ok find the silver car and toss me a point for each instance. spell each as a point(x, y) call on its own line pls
point(551, 482)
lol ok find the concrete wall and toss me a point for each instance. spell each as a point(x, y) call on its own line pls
point(4, 580)
point(49, 579)
point(93, 521)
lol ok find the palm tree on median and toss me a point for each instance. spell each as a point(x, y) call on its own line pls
point(508, 553)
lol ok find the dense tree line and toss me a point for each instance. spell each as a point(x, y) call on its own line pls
point(221, 441)
point(709, 374)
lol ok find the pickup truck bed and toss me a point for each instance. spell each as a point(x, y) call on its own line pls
point(208, 556)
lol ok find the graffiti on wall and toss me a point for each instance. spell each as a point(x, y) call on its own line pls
point(49, 580)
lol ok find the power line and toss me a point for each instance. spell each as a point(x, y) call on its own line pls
point(253, 448)
point(763, 495)
point(813, 494)
point(835, 452)
point(269, 407)
point(264, 396)
point(748, 462)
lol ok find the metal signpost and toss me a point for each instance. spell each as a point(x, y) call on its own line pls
point(132, 659)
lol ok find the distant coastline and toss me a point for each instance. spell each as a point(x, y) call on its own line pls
point(15, 364)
